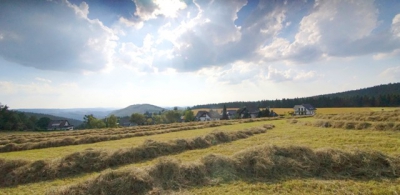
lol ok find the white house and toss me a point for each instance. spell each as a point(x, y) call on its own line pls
point(304, 109)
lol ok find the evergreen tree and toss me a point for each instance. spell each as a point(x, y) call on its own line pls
point(224, 114)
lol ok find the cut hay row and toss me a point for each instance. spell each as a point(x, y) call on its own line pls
point(5, 139)
point(110, 131)
point(377, 116)
point(97, 160)
point(27, 139)
point(89, 139)
point(351, 125)
point(263, 163)
point(112, 135)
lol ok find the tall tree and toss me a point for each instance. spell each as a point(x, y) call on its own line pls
point(172, 116)
point(224, 114)
point(137, 118)
point(112, 121)
point(43, 123)
point(189, 115)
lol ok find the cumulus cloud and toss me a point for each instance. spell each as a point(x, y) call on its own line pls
point(151, 9)
point(233, 74)
point(54, 35)
point(240, 72)
point(396, 26)
point(336, 29)
point(391, 73)
point(276, 75)
point(212, 38)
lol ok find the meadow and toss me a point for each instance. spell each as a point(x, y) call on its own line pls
point(338, 110)
point(283, 155)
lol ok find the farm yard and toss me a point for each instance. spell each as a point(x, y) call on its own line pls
point(336, 152)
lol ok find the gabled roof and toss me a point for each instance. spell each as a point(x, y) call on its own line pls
point(231, 112)
point(308, 106)
point(250, 109)
point(214, 114)
point(201, 113)
point(59, 123)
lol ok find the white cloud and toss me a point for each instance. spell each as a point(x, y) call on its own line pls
point(337, 28)
point(276, 75)
point(391, 73)
point(53, 35)
point(241, 72)
point(233, 74)
point(151, 9)
point(43, 80)
point(396, 26)
point(35, 88)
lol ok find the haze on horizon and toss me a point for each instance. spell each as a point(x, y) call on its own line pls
point(108, 53)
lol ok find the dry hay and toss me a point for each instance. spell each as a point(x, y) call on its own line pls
point(377, 116)
point(262, 163)
point(17, 144)
point(350, 125)
point(97, 160)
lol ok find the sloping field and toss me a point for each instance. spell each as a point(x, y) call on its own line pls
point(239, 157)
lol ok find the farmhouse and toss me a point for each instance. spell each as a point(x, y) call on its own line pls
point(304, 109)
point(202, 116)
point(60, 125)
point(248, 112)
point(207, 116)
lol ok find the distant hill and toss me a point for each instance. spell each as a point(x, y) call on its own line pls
point(74, 122)
point(73, 113)
point(137, 108)
point(376, 96)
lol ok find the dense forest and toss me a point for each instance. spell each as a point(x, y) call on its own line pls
point(378, 96)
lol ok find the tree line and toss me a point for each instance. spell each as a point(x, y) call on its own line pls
point(18, 121)
point(378, 96)
point(164, 117)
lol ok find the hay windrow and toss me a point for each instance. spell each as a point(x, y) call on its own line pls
point(377, 116)
point(58, 139)
point(262, 163)
point(97, 160)
point(351, 125)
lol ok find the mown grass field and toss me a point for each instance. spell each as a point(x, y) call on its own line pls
point(283, 111)
point(285, 135)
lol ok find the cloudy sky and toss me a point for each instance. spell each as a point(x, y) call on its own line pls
point(114, 53)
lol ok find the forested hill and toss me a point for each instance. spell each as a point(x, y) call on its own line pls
point(377, 96)
point(12, 120)
point(387, 89)
point(74, 122)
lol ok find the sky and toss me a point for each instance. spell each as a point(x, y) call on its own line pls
point(115, 53)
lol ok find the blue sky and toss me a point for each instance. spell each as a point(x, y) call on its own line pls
point(99, 53)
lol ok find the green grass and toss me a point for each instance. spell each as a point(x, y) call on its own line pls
point(284, 134)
